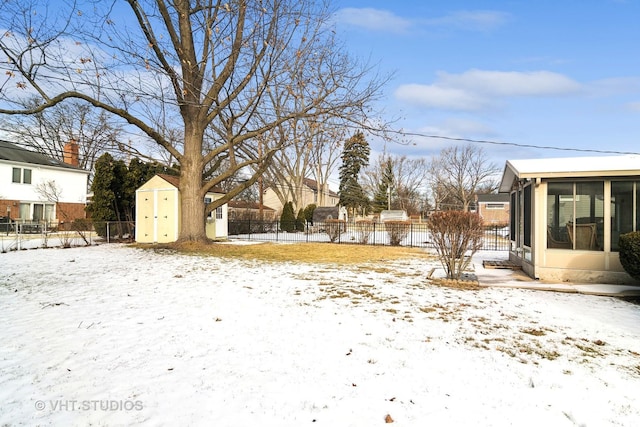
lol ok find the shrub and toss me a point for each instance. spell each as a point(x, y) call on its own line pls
point(288, 218)
point(308, 213)
point(629, 245)
point(300, 221)
point(334, 228)
point(364, 228)
point(454, 233)
point(397, 231)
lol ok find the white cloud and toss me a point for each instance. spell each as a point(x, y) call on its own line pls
point(480, 20)
point(372, 19)
point(510, 83)
point(436, 96)
point(478, 89)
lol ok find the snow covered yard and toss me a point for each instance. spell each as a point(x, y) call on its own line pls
point(112, 335)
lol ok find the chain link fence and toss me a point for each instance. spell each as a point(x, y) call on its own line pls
point(21, 235)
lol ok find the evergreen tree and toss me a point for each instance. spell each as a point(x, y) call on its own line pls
point(308, 213)
point(384, 189)
point(288, 218)
point(300, 220)
point(103, 201)
point(355, 156)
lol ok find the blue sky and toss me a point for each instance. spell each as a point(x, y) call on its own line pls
point(563, 73)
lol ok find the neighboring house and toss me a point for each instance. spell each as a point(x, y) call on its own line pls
point(493, 208)
point(567, 215)
point(158, 211)
point(311, 193)
point(243, 210)
point(23, 176)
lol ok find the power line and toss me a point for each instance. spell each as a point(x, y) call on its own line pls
point(511, 144)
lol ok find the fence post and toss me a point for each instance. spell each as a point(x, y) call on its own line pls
point(411, 234)
point(108, 239)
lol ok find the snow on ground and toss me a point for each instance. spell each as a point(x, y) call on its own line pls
point(112, 335)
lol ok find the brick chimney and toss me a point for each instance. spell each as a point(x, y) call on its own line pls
point(71, 153)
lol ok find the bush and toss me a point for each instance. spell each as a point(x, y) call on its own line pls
point(630, 253)
point(364, 228)
point(454, 233)
point(308, 213)
point(397, 231)
point(288, 218)
point(334, 228)
point(300, 221)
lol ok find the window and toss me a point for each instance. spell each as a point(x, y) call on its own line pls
point(625, 206)
point(219, 212)
point(25, 211)
point(575, 215)
point(208, 200)
point(512, 216)
point(526, 207)
point(21, 176)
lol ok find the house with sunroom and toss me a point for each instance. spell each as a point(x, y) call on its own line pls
point(24, 174)
point(158, 211)
point(567, 215)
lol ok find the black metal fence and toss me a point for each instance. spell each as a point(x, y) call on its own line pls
point(496, 238)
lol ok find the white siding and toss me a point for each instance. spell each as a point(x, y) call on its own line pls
point(72, 183)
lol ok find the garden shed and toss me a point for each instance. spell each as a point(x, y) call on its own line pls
point(158, 211)
point(567, 215)
point(325, 213)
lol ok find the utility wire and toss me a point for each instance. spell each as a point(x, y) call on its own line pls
point(511, 144)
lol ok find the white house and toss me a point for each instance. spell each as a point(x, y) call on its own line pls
point(24, 175)
point(158, 212)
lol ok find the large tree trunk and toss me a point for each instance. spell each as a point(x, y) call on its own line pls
point(192, 225)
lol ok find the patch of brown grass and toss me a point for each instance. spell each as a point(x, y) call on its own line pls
point(328, 253)
point(457, 284)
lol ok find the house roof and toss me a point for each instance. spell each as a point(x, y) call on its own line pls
point(313, 184)
point(569, 167)
point(13, 153)
point(243, 204)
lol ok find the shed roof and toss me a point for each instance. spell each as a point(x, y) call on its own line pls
point(569, 167)
point(13, 153)
point(175, 182)
point(492, 197)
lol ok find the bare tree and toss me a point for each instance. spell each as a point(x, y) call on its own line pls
point(48, 131)
point(313, 151)
point(214, 68)
point(458, 174)
point(410, 177)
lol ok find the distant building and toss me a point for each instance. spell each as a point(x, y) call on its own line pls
point(311, 193)
point(243, 210)
point(493, 208)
